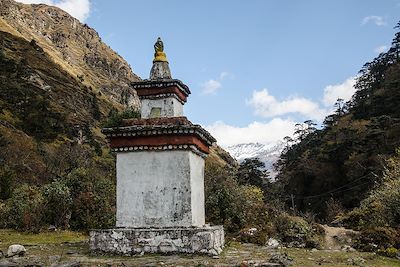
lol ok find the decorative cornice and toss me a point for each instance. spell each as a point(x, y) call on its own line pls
point(166, 95)
point(154, 130)
point(159, 134)
point(158, 91)
point(192, 148)
point(145, 84)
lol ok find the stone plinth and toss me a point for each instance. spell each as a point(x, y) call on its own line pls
point(130, 241)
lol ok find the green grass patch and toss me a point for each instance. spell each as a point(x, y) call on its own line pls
point(8, 237)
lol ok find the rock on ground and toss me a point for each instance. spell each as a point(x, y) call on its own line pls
point(6, 263)
point(281, 258)
point(15, 250)
point(272, 243)
point(68, 264)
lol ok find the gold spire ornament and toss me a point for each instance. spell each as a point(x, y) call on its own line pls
point(159, 55)
point(160, 69)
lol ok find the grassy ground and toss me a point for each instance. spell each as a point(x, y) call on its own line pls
point(64, 246)
point(8, 237)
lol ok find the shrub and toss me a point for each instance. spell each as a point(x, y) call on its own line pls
point(7, 178)
point(93, 204)
point(334, 209)
point(228, 203)
point(81, 77)
point(34, 123)
point(293, 229)
point(91, 210)
point(253, 235)
point(26, 208)
point(2, 55)
point(381, 208)
point(4, 214)
point(115, 118)
point(57, 203)
point(377, 238)
point(390, 252)
point(252, 201)
point(221, 205)
point(362, 218)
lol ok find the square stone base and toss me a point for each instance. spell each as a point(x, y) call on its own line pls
point(130, 241)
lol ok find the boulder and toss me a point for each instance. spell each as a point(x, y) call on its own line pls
point(6, 263)
point(356, 261)
point(281, 258)
point(252, 263)
point(347, 248)
point(69, 264)
point(16, 250)
point(272, 243)
point(52, 228)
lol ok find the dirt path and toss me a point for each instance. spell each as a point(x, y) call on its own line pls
point(337, 237)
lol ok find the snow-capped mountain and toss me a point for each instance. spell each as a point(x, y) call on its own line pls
point(267, 153)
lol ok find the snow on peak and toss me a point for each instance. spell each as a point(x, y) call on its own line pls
point(267, 153)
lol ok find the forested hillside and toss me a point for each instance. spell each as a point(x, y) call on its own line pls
point(334, 168)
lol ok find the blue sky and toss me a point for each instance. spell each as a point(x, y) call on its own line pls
point(256, 67)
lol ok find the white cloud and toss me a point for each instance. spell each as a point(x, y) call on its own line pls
point(79, 9)
point(223, 75)
point(277, 128)
point(381, 49)
point(377, 20)
point(344, 91)
point(268, 106)
point(211, 86)
point(260, 132)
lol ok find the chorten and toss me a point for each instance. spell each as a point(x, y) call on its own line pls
point(160, 174)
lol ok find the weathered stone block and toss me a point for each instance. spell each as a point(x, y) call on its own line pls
point(130, 241)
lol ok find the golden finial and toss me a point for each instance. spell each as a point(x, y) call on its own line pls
point(159, 55)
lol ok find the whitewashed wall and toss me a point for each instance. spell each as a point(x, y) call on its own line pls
point(160, 189)
point(170, 107)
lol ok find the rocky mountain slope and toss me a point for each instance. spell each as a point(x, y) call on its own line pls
point(58, 83)
point(74, 46)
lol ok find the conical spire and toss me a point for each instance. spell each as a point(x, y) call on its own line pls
point(160, 69)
